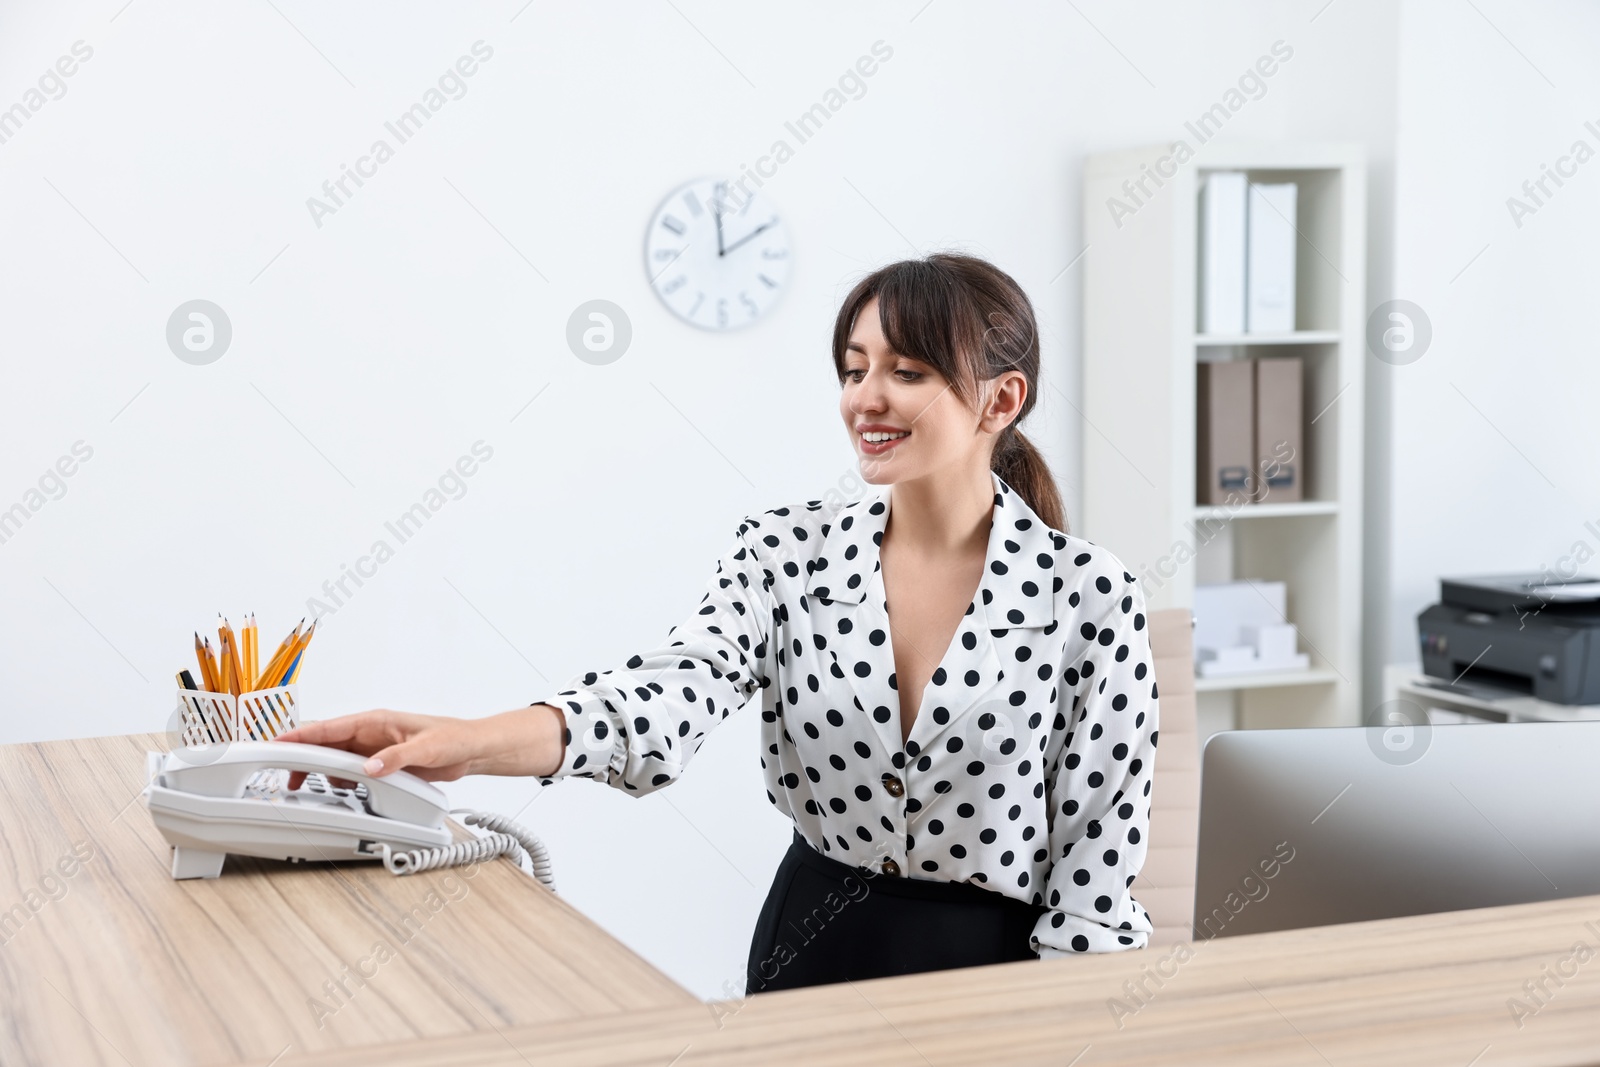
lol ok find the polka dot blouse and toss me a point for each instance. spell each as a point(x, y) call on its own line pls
point(1028, 766)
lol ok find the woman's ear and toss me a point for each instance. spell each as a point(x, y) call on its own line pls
point(1004, 396)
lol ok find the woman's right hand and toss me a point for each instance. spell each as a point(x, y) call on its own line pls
point(441, 748)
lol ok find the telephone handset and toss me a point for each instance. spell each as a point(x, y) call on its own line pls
point(235, 798)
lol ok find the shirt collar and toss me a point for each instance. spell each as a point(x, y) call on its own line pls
point(1019, 568)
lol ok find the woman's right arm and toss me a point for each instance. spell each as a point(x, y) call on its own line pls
point(634, 728)
point(441, 748)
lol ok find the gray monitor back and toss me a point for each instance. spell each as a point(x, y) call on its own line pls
point(1306, 827)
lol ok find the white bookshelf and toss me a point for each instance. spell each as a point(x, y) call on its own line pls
point(1141, 347)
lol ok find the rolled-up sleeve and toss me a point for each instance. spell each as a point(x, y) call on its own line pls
point(637, 726)
point(1099, 789)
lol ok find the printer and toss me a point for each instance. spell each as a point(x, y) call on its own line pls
point(1524, 634)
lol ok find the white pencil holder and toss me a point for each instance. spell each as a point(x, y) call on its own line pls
point(212, 718)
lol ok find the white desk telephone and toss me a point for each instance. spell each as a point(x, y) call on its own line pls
point(208, 803)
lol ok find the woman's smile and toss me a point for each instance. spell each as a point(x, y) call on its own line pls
point(878, 438)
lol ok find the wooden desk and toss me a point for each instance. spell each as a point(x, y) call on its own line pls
point(1422, 990)
point(107, 960)
point(130, 967)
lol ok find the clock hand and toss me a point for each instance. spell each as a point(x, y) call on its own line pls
point(746, 237)
point(716, 212)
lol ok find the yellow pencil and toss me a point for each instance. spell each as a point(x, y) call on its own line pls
point(250, 652)
point(297, 657)
point(233, 669)
point(224, 683)
point(293, 636)
point(216, 668)
point(234, 652)
point(208, 670)
point(269, 676)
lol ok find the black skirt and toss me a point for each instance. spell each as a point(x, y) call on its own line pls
point(827, 921)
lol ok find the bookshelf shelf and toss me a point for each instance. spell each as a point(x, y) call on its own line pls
point(1266, 680)
point(1298, 337)
point(1267, 510)
point(1142, 345)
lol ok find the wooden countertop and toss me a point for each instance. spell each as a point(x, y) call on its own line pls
point(118, 964)
point(1427, 989)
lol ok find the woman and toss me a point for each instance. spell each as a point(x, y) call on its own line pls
point(968, 770)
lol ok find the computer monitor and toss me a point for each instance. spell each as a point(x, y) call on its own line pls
point(1305, 827)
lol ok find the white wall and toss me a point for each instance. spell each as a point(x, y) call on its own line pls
point(1493, 451)
point(375, 350)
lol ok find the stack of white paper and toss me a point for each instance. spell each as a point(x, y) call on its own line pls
point(1270, 271)
point(1223, 206)
point(1240, 628)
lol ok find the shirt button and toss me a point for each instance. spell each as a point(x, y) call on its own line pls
point(891, 868)
point(893, 785)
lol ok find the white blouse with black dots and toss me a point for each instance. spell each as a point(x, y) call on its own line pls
point(1028, 766)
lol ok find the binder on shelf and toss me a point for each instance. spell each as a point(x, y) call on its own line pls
point(1223, 208)
point(1224, 424)
point(1279, 439)
point(1270, 266)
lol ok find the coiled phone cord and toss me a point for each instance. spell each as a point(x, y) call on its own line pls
point(505, 838)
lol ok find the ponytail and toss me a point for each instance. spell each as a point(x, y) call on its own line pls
point(1020, 465)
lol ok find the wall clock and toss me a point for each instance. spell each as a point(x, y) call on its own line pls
point(717, 257)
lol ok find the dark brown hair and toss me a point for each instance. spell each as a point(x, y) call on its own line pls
point(971, 322)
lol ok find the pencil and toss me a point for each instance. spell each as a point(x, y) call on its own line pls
point(222, 647)
point(215, 668)
point(216, 664)
point(268, 676)
point(186, 680)
point(250, 651)
point(226, 657)
point(227, 667)
point(230, 648)
point(299, 654)
point(254, 635)
point(202, 654)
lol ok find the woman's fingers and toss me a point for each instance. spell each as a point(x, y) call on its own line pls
point(337, 733)
point(328, 732)
point(433, 748)
point(363, 733)
point(391, 759)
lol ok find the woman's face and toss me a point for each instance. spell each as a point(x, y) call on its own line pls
point(928, 428)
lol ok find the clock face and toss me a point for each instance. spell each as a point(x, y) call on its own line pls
point(717, 257)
